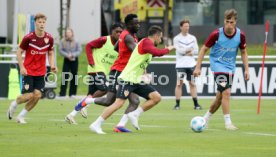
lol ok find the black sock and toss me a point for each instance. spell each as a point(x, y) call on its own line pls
point(177, 102)
point(195, 102)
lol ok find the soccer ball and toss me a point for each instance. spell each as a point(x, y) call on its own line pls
point(198, 124)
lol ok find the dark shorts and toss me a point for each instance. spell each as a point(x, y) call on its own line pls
point(97, 81)
point(125, 88)
point(113, 82)
point(182, 72)
point(30, 83)
point(223, 81)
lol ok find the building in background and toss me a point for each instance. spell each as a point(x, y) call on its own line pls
point(150, 12)
point(85, 17)
point(89, 21)
point(205, 15)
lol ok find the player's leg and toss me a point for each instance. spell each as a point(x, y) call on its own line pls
point(70, 118)
point(133, 104)
point(111, 94)
point(33, 102)
point(96, 125)
point(38, 86)
point(100, 83)
point(123, 92)
point(27, 94)
point(178, 87)
point(152, 97)
point(225, 88)
point(105, 101)
point(226, 109)
point(214, 107)
point(19, 100)
point(96, 88)
point(29, 106)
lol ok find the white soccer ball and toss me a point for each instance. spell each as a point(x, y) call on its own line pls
point(198, 124)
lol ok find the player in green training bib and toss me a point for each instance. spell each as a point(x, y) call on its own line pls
point(130, 80)
point(101, 56)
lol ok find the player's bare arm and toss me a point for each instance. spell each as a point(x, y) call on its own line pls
point(201, 54)
point(245, 63)
point(116, 46)
point(19, 53)
point(130, 42)
point(52, 61)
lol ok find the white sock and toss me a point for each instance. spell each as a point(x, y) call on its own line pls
point(74, 113)
point(207, 116)
point(89, 100)
point(227, 119)
point(138, 111)
point(14, 104)
point(23, 113)
point(123, 120)
point(99, 121)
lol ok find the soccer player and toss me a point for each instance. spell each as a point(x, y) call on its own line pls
point(35, 44)
point(101, 56)
point(224, 43)
point(186, 46)
point(126, 44)
point(130, 80)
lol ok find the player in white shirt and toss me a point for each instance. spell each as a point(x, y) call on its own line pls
point(186, 46)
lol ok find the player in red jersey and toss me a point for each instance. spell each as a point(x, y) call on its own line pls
point(35, 45)
point(125, 45)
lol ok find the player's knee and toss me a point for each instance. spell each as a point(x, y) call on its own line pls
point(108, 102)
point(119, 103)
point(29, 96)
point(226, 92)
point(179, 84)
point(156, 97)
point(192, 84)
point(135, 101)
point(37, 94)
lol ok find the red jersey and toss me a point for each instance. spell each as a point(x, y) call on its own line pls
point(36, 49)
point(124, 52)
point(147, 46)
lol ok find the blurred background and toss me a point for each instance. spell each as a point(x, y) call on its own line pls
point(91, 19)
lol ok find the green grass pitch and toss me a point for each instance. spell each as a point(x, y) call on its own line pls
point(165, 132)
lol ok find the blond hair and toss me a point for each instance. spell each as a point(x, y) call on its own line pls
point(71, 40)
point(228, 14)
point(40, 16)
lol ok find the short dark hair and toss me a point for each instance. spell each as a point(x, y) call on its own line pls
point(40, 16)
point(130, 17)
point(184, 21)
point(154, 30)
point(228, 14)
point(116, 25)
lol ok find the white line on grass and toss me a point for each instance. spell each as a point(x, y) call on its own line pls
point(146, 126)
point(57, 120)
point(259, 134)
point(159, 126)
